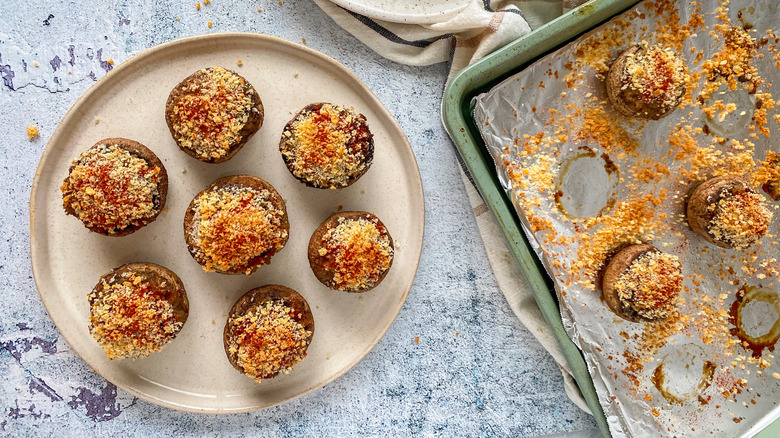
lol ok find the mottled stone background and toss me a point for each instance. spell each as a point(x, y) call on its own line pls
point(491, 379)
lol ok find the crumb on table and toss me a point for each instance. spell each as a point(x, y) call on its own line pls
point(32, 132)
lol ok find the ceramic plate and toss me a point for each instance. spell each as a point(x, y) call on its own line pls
point(406, 11)
point(192, 373)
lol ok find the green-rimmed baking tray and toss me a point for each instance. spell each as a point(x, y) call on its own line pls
point(457, 115)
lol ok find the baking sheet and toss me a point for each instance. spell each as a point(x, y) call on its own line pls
point(549, 127)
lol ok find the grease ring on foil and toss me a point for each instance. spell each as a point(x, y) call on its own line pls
point(750, 321)
point(586, 183)
point(683, 374)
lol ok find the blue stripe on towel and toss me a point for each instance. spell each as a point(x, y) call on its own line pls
point(384, 32)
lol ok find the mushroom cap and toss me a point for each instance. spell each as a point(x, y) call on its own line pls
point(710, 192)
point(617, 265)
point(258, 296)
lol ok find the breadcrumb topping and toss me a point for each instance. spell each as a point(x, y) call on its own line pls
point(268, 339)
point(110, 188)
point(657, 73)
point(130, 317)
point(212, 110)
point(358, 252)
point(234, 225)
point(740, 219)
point(651, 284)
point(651, 81)
point(327, 146)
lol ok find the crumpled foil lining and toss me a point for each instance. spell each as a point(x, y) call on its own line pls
point(516, 112)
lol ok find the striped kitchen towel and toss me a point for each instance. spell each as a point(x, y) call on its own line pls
point(481, 27)
point(478, 29)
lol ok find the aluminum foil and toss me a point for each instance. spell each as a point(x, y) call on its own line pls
point(566, 157)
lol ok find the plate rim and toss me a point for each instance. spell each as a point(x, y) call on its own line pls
point(35, 263)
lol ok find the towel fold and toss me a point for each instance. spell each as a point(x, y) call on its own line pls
point(477, 30)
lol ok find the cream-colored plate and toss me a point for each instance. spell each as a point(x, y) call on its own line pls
point(406, 11)
point(192, 373)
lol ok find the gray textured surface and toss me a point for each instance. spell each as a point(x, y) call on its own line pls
point(476, 371)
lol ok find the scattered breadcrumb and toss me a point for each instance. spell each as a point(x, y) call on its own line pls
point(416, 339)
point(110, 61)
point(32, 132)
point(36, 63)
point(303, 40)
point(197, 6)
point(209, 24)
point(240, 63)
